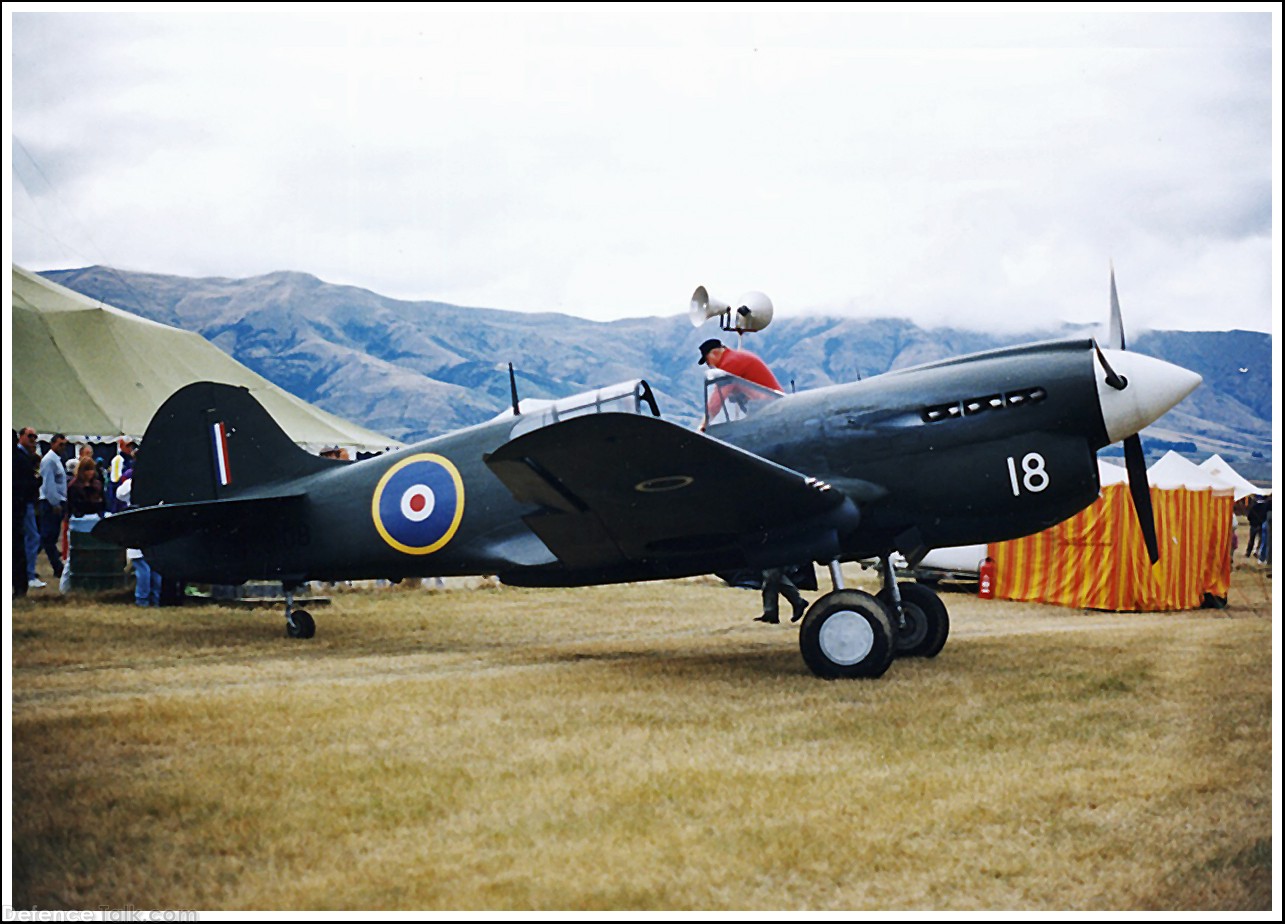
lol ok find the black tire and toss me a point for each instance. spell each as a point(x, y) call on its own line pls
point(927, 622)
point(300, 624)
point(847, 633)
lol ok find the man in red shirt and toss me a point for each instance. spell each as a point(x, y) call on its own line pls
point(739, 363)
point(749, 367)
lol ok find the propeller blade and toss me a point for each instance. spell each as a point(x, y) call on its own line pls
point(1114, 379)
point(1135, 460)
point(1115, 334)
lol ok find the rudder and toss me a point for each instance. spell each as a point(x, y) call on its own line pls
point(211, 441)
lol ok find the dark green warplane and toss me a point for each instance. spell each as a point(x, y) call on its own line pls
point(600, 488)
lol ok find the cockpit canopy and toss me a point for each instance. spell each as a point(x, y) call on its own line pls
point(633, 397)
point(729, 397)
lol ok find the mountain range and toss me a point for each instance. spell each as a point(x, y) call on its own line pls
point(414, 369)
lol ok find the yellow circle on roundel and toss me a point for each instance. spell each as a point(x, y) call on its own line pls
point(418, 503)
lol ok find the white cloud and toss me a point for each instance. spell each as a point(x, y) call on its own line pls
point(973, 169)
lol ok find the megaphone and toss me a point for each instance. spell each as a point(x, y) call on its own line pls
point(753, 311)
point(703, 307)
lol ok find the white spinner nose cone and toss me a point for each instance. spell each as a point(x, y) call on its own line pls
point(1154, 387)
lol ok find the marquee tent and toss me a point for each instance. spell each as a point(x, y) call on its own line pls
point(1097, 559)
point(1221, 470)
point(95, 372)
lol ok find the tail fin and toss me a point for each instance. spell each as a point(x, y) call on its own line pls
point(214, 442)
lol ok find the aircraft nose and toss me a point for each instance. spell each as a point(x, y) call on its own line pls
point(1154, 386)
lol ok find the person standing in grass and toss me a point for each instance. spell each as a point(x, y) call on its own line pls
point(775, 583)
point(26, 493)
point(1265, 544)
point(53, 501)
point(1257, 511)
point(147, 582)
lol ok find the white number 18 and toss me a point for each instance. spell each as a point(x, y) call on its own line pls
point(1034, 478)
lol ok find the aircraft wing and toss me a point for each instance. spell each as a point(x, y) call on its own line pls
point(618, 488)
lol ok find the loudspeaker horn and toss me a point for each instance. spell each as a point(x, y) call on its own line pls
point(703, 307)
point(753, 312)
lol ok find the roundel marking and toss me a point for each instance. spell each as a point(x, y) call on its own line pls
point(418, 503)
point(664, 483)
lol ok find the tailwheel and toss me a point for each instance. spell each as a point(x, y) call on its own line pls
point(923, 632)
point(300, 624)
point(847, 633)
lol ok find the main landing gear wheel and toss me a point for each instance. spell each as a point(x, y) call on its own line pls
point(847, 633)
point(927, 623)
point(300, 624)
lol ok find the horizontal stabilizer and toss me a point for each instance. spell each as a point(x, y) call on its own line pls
point(147, 526)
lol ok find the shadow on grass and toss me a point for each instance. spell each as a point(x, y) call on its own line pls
point(749, 665)
point(694, 663)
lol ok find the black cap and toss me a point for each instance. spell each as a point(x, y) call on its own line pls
point(706, 347)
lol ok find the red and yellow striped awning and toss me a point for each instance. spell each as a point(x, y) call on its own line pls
point(1097, 559)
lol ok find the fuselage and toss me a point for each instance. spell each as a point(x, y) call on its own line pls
point(977, 449)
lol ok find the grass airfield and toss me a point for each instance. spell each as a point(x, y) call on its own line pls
point(639, 747)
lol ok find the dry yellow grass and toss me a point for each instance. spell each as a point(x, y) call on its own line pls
point(637, 747)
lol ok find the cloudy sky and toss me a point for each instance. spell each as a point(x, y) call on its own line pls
point(981, 168)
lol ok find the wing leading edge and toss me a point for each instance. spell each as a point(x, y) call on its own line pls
point(626, 490)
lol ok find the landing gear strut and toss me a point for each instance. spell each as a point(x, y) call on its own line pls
point(299, 623)
point(918, 615)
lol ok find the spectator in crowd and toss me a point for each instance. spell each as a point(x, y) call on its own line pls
point(85, 493)
point(26, 494)
point(122, 467)
point(53, 500)
point(1265, 545)
point(147, 582)
point(18, 550)
point(1256, 513)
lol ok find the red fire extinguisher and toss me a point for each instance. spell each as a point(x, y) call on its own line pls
point(986, 579)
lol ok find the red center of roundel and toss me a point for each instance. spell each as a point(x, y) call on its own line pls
point(417, 503)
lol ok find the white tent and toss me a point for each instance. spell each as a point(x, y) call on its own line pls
point(1220, 469)
point(1110, 473)
point(95, 372)
point(1172, 471)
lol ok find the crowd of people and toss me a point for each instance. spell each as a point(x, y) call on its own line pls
point(57, 492)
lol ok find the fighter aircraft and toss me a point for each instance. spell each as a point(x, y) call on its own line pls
point(600, 488)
